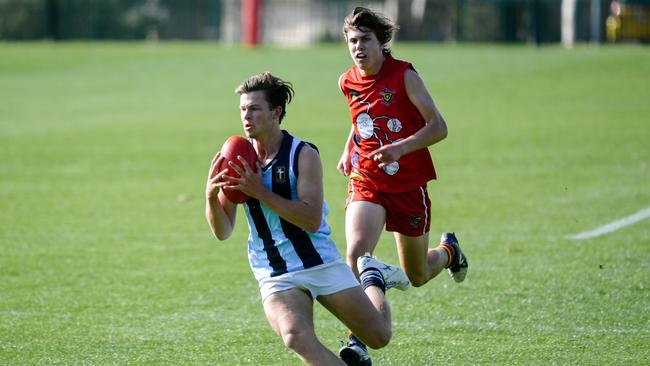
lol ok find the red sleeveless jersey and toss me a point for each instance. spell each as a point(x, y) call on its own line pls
point(382, 113)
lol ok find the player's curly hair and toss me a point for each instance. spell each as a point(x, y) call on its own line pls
point(366, 19)
point(278, 92)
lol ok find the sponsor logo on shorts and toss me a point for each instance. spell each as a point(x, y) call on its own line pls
point(416, 221)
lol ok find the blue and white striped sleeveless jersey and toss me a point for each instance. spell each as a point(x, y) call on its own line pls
point(276, 246)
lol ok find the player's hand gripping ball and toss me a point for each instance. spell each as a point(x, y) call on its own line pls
point(234, 146)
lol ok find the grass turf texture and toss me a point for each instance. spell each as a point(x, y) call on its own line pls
point(105, 257)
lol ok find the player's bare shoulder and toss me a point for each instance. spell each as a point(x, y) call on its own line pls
point(341, 78)
point(309, 160)
point(309, 152)
point(412, 80)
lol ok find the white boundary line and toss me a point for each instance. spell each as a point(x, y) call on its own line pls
point(613, 226)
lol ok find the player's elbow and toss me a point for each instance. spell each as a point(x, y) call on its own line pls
point(222, 236)
point(311, 218)
point(311, 222)
point(437, 130)
point(442, 131)
point(313, 226)
point(380, 340)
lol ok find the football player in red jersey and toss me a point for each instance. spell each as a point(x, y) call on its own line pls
point(386, 156)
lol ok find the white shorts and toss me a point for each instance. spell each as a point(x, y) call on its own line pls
point(325, 279)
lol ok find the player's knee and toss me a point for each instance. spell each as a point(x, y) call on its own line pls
point(379, 339)
point(351, 258)
point(355, 253)
point(296, 340)
point(417, 278)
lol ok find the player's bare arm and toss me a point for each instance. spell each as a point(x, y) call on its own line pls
point(436, 128)
point(306, 212)
point(344, 162)
point(219, 211)
point(434, 131)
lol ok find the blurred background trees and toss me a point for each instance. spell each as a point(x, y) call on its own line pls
point(304, 22)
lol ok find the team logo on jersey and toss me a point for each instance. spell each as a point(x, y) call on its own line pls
point(387, 96)
point(280, 174)
point(416, 221)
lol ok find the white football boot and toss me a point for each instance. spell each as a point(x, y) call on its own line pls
point(393, 276)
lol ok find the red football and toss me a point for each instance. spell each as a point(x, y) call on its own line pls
point(234, 146)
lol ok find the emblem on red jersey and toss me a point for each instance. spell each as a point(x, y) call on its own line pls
point(387, 96)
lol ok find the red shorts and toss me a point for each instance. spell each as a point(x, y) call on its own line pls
point(407, 213)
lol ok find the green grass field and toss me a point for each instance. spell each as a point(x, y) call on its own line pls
point(106, 258)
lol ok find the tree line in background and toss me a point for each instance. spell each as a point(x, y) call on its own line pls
point(531, 21)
